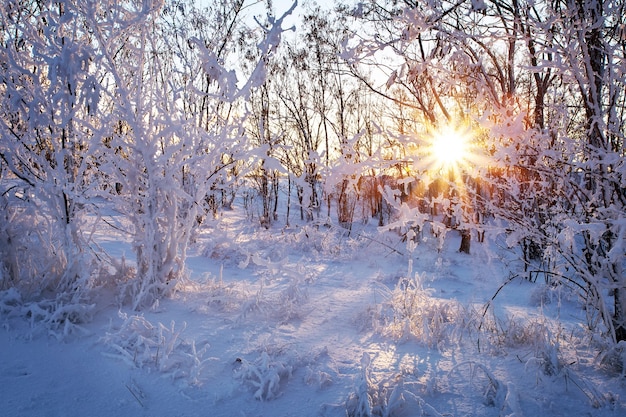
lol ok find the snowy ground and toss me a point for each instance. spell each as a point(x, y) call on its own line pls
point(307, 321)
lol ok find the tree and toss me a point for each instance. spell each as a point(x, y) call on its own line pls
point(49, 97)
point(265, 138)
point(593, 58)
point(302, 130)
point(448, 72)
point(580, 210)
point(174, 154)
point(130, 102)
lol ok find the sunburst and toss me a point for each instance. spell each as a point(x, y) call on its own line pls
point(450, 148)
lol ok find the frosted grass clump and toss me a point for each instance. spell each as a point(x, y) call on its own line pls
point(474, 377)
point(140, 344)
point(410, 311)
point(265, 375)
point(385, 397)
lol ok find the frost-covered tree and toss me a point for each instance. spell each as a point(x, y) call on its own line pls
point(434, 61)
point(169, 153)
point(334, 98)
point(575, 128)
point(266, 135)
point(48, 101)
point(132, 101)
point(320, 108)
point(302, 129)
point(590, 234)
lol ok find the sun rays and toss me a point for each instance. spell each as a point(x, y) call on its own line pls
point(449, 148)
point(447, 152)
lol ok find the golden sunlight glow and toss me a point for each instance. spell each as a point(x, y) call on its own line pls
point(449, 148)
point(447, 152)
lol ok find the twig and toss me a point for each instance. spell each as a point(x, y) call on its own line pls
point(114, 226)
point(133, 394)
point(488, 303)
point(382, 243)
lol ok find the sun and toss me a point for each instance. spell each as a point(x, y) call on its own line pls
point(449, 148)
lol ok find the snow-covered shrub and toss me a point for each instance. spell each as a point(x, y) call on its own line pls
point(565, 375)
point(10, 300)
point(27, 251)
point(60, 317)
point(534, 332)
point(360, 403)
point(320, 369)
point(548, 359)
point(410, 311)
point(224, 297)
point(167, 155)
point(265, 375)
point(256, 305)
point(318, 378)
point(47, 268)
point(141, 344)
point(542, 336)
point(291, 300)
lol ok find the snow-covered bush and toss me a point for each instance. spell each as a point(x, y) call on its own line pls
point(170, 131)
point(224, 297)
point(319, 374)
point(28, 251)
point(551, 370)
point(548, 358)
point(10, 300)
point(53, 276)
point(61, 317)
point(317, 239)
point(515, 332)
point(614, 358)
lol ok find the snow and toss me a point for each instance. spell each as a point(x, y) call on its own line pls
point(310, 321)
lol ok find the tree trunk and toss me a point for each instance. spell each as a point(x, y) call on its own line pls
point(466, 239)
point(619, 318)
point(288, 200)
